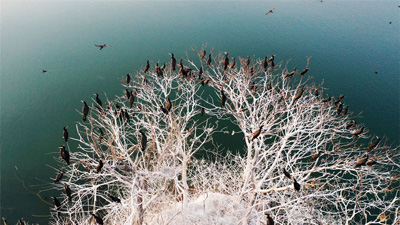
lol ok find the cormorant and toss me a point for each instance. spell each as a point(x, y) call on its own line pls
point(316, 92)
point(200, 72)
point(143, 140)
point(296, 185)
point(223, 98)
point(371, 162)
point(44, 71)
point(358, 132)
point(59, 176)
point(201, 111)
point(21, 222)
point(173, 61)
point(361, 162)
point(209, 61)
point(98, 219)
point(351, 124)
point(64, 154)
point(146, 68)
point(247, 62)
point(372, 145)
point(126, 115)
point(299, 94)
point(336, 101)
point(270, 11)
point(270, 221)
point(101, 134)
point(325, 100)
point(131, 99)
point(271, 59)
point(304, 71)
point(265, 63)
point(203, 54)
point(162, 67)
point(85, 110)
point(341, 97)
point(65, 134)
point(127, 94)
point(99, 166)
point(168, 106)
point(315, 156)
point(128, 79)
point(339, 108)
point(345, 111)
point(98, 100)
point(114, 199)
point(102, 46)
point(226, 61)
point(257, 133)
point(287, 174)
point(233, 63)
point(164, 110)
point(56, 203)
point(272, 65)
point(269, 86)
point(68, 192)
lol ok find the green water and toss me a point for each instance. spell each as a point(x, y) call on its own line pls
point(348, 42)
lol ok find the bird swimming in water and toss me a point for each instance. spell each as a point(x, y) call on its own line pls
point(85, 110)
point(361, 162)
point(98, 219)
point(68, 192)
point(64, 154)
point(257, 133)
point(146, 68)
point(102, 46)
point(270, 11)
point(173, 61)
point(223, 98)
point(143, 140)
point(65, 134)
point(114, 199)
point(373, 144)
point(98, 101)
point(59, 176)
point(287, 174)
point(270, 221)
point(209, 61)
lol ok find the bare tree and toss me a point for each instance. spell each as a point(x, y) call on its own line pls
point(304, 161)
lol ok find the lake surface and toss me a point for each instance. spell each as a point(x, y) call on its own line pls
point(348, 40)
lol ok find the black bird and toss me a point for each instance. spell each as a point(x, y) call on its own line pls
point(315, 156)
point(44, 71)
point(21, 222)
point(299, 94)
point(358, 132)
point(223, 98)
point(85, 110)
point(132, 97)
point(209, 61)
point(270, 11)
point(102, 46)
point(200, 72)
point(99, 166)
point(127, 94)
point(271, 59)
point(143, 140)
point(316, 92)
point(247, 62)
point(272, 65)
point(296, 185)
point(164, 110)
point(98, 219)
point(168, 106)
point(56, 203)
point(98, 100)
point(287, 174)
point(146, 68)
point(64, 154)
point(65, 134)
point(304, 71)
point(372, 145)
point(233, 63)
point(226, 61)
point(203, 54)
point(173, 61)
point(101, 134)
point(201, 111)
point(162, 67)
point(127, 117)
point(128, 79)
point(270, 221)
point(339, 108)
point(345, 111)
point(59, 176)
point(269, 86)
point(361, 162)
point(68, 192)
point(114, 199)
point(265, 63)
point(257, 133)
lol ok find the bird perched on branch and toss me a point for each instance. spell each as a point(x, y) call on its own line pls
point(304, 71)
point(296, 185)
point(287, 174)
point(299, 94)
point(345, 111)
point(85, 110)
point(226, 61)
point(316, 93)
point(233, 63)
point(147, 67)
point(201, 111)
point(373, 144)
point(257, 133)
point(128, 79)
point(315, 156)
point(358, 132)
point(173, 61)
point(98, 219)
point(203, 54)
point(102, 46)
point(98, 101)
point(270, 11)
point(56, 203)
point(209, 61)
point(168, 105)
point(247, 62)
point(339, 108)
point(99, 166)
point(143, 140)
point(325, 100)
point(371, 162)
point(68, 192)
point(361, 162)
point(65, 134)
point(223, 98)
point(114, 199)
point(59, 176)
point(265, 63)
point(270, 221)
point(351, 124)
point(64, 154)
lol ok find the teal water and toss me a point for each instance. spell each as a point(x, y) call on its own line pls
point(348, 42)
